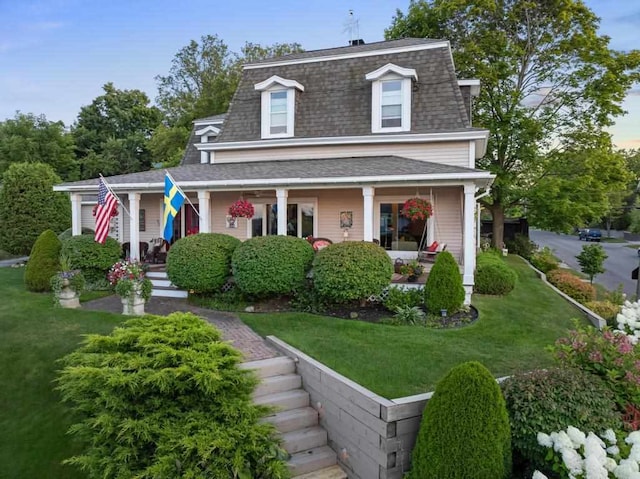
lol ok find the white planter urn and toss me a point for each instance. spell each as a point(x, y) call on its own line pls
point(68, 297)
point(133, 304)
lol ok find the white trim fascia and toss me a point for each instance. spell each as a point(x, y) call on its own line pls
point(207, 122)
point(391, 68)
point(275, 79)
point(345, 56)
point(348, 140)
point(208, 129)
point(455, 178)
point(473, 83)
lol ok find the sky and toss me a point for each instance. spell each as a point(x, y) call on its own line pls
point(55, 55)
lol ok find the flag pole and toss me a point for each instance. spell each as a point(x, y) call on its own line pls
point(182, 192)
point(108, 186)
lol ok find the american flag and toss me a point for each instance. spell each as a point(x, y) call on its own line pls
point(104, 211)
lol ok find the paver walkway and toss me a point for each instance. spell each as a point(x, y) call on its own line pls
point(233, 330)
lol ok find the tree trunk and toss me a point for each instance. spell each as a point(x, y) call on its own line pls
point(497, 214)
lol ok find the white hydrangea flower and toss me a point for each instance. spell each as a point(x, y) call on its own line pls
point(613, 450)
point(633, 438)
point(594, 448)
point(562, 441)
point(572, 460)
point(623, 471)
point(538, 475)
point(635, 453)
point(576, 435)
point(545, 440)
point(610, 464)
point(594, 469)
point(610, 436)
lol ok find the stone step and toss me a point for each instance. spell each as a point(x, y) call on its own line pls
point(156, 274)
point(303, 439)
point(287, 421)
point(311, 460)
point(277, 384)
point(285, 401)
point(169, 293)
point(331, 472)
point(162, 283)
point(265, 368)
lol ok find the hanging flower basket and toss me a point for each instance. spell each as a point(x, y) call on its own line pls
point(416, 209)
point(241, 209)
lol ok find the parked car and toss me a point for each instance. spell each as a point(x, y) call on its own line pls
point(590, 234)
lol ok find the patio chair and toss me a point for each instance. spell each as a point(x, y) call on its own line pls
point(157, 255)
point(143, 245)
point(431, 252)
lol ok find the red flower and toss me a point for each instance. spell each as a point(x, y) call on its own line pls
point(241, 209)
point(416, 209)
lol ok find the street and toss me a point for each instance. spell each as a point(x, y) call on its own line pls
point(618, 266)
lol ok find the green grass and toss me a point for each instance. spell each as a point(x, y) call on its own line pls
point(613, 240)
point(32, 420)
point(395, 361)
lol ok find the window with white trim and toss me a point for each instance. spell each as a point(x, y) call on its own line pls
point(301, 219)
point(278, 112)
point(391, 104)
point(278, 106)
point(391, 98)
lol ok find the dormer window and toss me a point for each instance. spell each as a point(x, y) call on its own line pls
point(278, 106)
point(391, 98)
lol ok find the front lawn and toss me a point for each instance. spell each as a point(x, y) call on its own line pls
point(396, 361)
point(32, 420)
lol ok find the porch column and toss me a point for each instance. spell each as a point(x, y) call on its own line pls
point(282, 195)
point(367, 220)
point(134, 225)
point(205, 211)
point(469, 258)
point(76, 214)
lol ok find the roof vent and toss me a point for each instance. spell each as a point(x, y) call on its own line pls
point(359, 41)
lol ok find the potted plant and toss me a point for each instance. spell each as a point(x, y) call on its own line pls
point(418, 209)
point(67, 285)
point(131, 285)
point(241, 209)
point(412, 270)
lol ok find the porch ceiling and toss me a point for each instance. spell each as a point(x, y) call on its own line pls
point(369, 170)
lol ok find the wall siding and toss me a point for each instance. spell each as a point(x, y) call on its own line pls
point(449, 153)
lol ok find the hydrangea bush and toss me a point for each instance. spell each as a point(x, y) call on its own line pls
point(628, 320)
point(577, 455)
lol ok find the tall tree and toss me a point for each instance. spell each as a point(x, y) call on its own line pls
point(30, 138)
point(112, 132)
point(550, 86)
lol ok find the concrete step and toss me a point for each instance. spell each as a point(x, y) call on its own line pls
point(285, 401)
point(287, 421)
point(265, 368)
point(161, 283)
point(311, 460)
point(331, 472)
point(156, 274)
point(303, 439)
point(169, 293)
point(277, 384)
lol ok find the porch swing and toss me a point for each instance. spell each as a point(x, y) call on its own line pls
point(428, 254)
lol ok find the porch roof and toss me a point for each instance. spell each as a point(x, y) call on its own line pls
point(336, 172)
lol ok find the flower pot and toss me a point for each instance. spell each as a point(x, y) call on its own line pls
point(68, 297)
point(133, 305)
point(412, 278)
point(505, 251)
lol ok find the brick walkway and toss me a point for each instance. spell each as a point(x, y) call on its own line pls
point(233, 330)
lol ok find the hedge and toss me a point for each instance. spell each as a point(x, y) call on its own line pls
point(44, 262)
point(93, 259)
point(493, 276)
point(572, 286)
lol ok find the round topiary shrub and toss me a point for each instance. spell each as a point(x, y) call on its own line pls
point(494, 277)
point(44, 262)
point(93, 259)
point(465, 429)
point(271, 265)
point(164, 397)
point(550, 400)
point(201, 262)
point(353, 270)
point(444, 289)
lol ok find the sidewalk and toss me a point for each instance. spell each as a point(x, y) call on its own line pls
point(233, 330)
point(12, 261)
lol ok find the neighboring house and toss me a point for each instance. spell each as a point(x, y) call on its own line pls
point(338, 139)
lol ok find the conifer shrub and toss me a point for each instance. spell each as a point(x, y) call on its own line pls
point(444, 289)
point(550, 400)
point(93, 259)
point(44, 262)
point(465, 429)
point(352, 270)
point(493, 276)
point(28, 206)
point(163, 397)
point(201, 262)
point(271, 265)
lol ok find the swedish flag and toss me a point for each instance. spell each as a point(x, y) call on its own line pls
point(173, 201)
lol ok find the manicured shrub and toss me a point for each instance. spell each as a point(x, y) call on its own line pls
point(465, 429)
point(572, 286)
point(444, 289)
point(93, 259)
point(28, 206)
point(66, 234)
point(522, 245)
point(349, 271)
point(550, 400)
point(494, 277)
point(163, 397)
point(44, 262)
point(544, 260)
point(201, 262)
point(272, 265)
point(489, 256)
point(606, 310)
point(403, 298)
